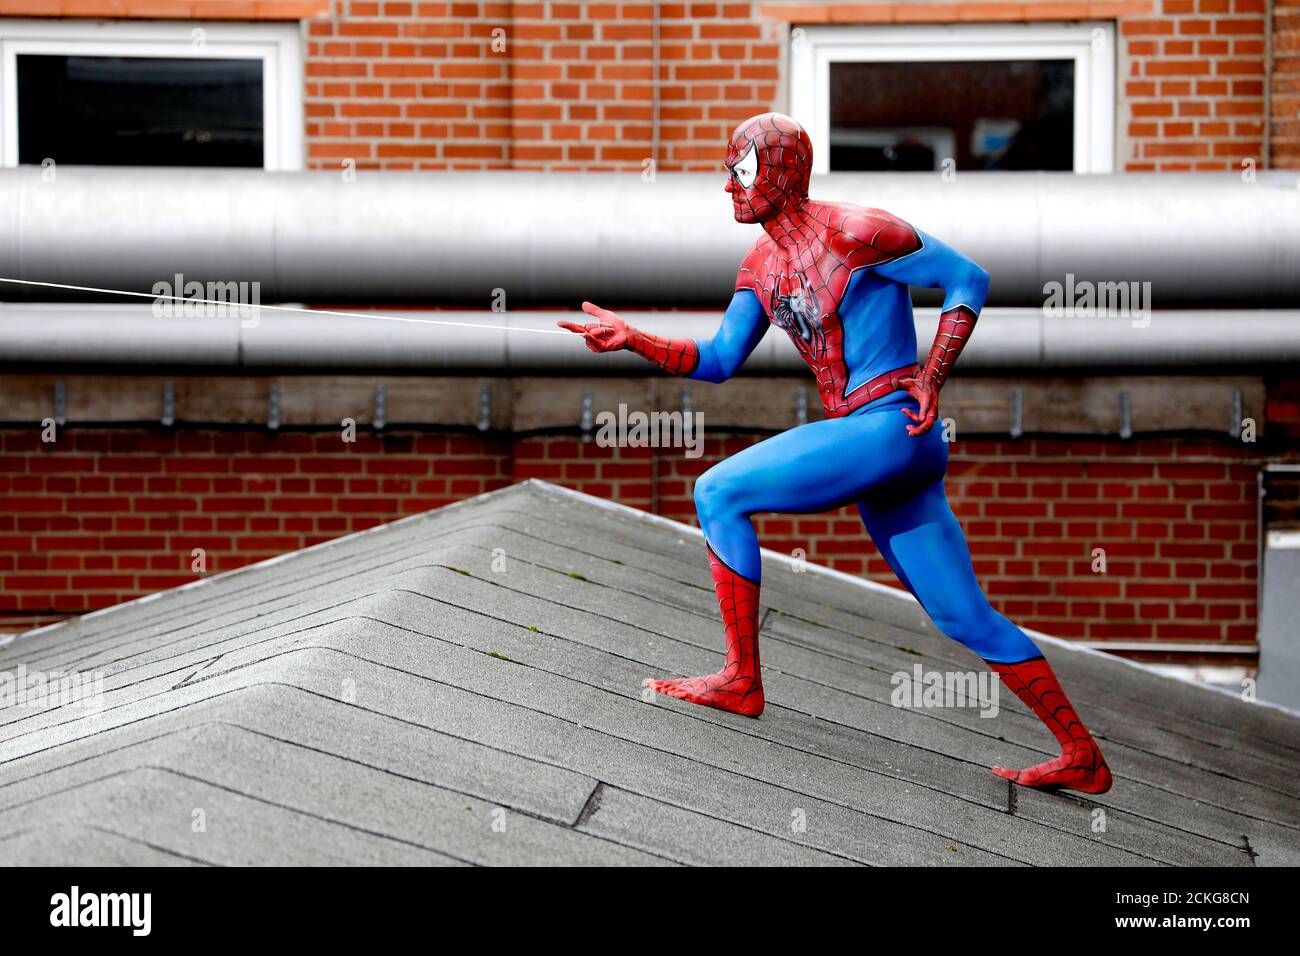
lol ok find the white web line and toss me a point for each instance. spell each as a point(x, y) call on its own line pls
point(285, 308)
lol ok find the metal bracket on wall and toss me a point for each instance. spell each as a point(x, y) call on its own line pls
point(1125, 416)
point(1234, 426)
point(273, 408)
point(586, 420)
point(484, 407)
point(169, 404)
point(379, 419)
point(800, 406)
point(1017, 412)
point(60, 404)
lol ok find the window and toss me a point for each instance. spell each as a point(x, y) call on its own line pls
point(1034, 96)
point(124, 93)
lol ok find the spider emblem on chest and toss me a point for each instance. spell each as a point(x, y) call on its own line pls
point(798, 311)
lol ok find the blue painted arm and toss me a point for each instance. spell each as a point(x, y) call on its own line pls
point(742, 329)
point(966, 286)
point(939, 266)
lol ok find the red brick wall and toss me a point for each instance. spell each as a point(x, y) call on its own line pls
point(401, 85)
point(107, 515)
point(417, 85)
point(1284, 150)
point(1194, 89)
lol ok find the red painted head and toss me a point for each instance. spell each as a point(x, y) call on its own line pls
point(769, 163)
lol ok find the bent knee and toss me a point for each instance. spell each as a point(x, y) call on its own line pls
point(971, 625)
point(717, 494)
point(986, 632)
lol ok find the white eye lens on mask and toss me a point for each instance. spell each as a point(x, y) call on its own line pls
point(746, 169)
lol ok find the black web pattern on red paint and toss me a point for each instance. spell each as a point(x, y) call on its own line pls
point(801, 277)
point(738, 687)
point(1081, 763)
point(677, 356)
point(955, 327)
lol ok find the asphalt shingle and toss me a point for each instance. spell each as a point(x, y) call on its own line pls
point(464, 687)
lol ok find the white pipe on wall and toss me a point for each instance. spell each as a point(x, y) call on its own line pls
point(534, 238)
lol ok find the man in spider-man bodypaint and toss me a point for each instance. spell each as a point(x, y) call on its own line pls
point(835, 278)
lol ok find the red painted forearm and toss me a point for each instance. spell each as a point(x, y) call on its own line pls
point(675, 356)
point(955, 327)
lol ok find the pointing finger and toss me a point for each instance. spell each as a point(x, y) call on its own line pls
point(592, 309)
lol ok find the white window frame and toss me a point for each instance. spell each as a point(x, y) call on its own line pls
point(1090, 44)
point(277, 45)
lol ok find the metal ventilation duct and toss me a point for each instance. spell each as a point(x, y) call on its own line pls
point(554, 239)
point(60, 336)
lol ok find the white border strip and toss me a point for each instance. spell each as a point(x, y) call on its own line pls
point(278, 45)
point(1174, 647)
point(1280, 540)
point(1089, 44)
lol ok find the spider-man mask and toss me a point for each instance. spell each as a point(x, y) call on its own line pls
point(769, 162)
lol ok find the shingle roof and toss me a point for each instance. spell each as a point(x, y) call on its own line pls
point(463, 686)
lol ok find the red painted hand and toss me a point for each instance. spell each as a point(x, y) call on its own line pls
point(608, 334)
point(925, 390)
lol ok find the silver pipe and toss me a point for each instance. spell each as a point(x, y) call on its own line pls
point(555, 238)
point(61, 335)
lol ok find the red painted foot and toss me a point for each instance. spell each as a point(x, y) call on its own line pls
point(738, 687)
point(740, 695)
point(1080, 766)
point(1085, 772)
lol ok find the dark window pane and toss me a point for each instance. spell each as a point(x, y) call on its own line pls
point(139, 111)
point(992, 114)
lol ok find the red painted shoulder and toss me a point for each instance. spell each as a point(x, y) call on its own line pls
point(751, 267)
point(873, 236)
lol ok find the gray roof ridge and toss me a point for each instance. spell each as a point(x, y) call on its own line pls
point(644, 517)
